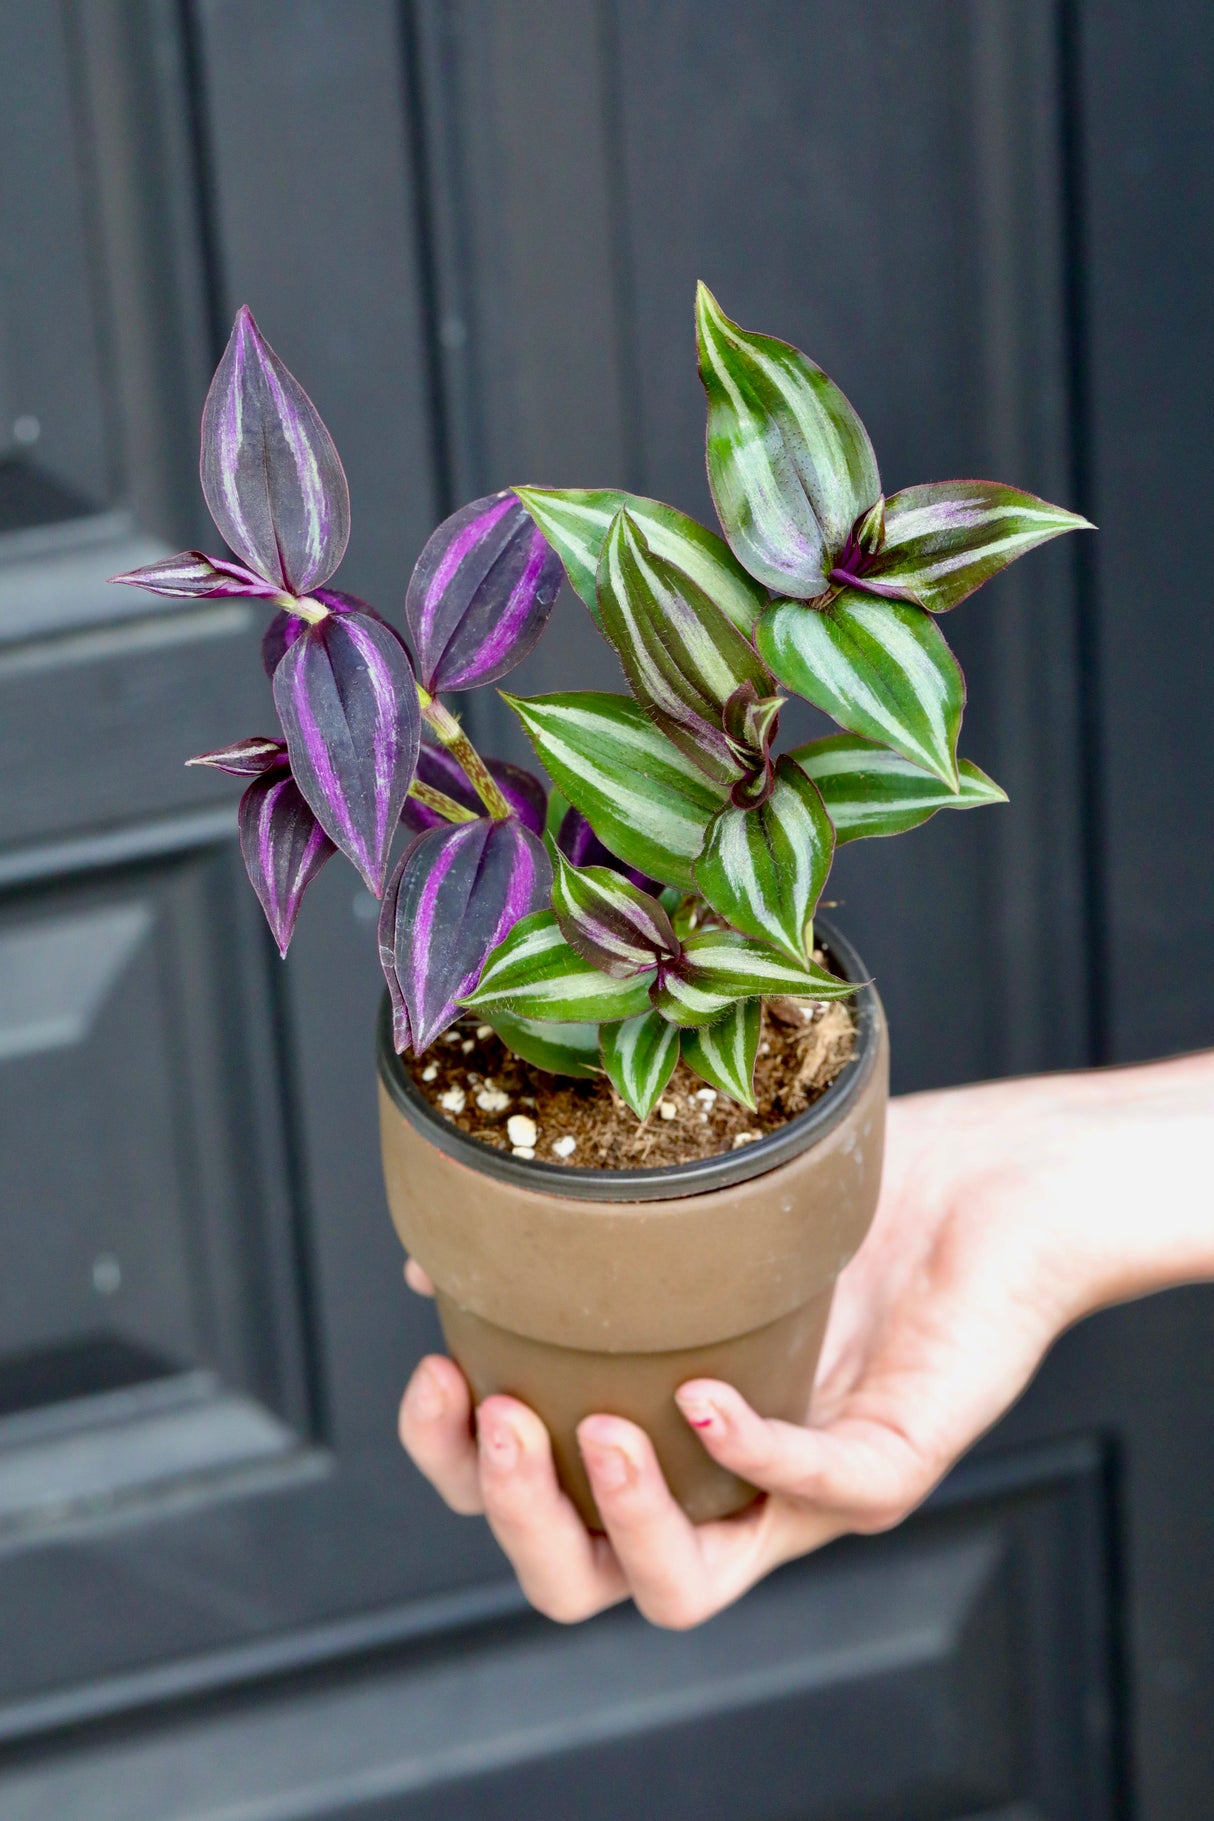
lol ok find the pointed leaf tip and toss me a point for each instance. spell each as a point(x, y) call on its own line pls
point(944, 540)
point(283, 848)
point(271, 475)
point(640, 1055)
point(790, 464)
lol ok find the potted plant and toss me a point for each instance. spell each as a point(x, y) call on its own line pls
point(632, 1092)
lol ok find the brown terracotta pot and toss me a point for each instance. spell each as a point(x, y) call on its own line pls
point(582, 1290)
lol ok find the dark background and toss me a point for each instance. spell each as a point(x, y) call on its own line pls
point(473, 229)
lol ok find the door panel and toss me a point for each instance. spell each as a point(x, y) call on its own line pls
point(955, 1670)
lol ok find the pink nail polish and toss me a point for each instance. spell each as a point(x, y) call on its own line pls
point(700, 1413)
point(501, 1445)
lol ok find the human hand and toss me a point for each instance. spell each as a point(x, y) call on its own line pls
point(1004, 1216)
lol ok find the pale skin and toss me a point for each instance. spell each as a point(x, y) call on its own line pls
point(1008, 1212)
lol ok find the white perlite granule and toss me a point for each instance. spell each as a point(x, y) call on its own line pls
point(430, 1072)
point(453, 1101)
point(564, 1147)
point(492, 1100)
point(521, 1130)
point(524, 1150)
point(667, 1109)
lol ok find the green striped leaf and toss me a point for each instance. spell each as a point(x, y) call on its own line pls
point(575, 522)
point(611, 922)
point(789, 462)
point(763, 869)
point(644, 799)
point(944, 540)
point(723, 1053)
point(719, 967)
point(535, 974)
point(682, 655)
point(639, 1055)
point(562, 1049)
point(880, 668)
point(869, 790)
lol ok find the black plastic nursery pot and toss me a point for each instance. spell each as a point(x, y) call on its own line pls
point(582, 1290)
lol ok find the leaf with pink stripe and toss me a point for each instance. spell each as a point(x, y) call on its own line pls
point(246, 758)
point(458, 892)
point(347, 701)
point(271, 475)
point(283, 847)
point(611, 922)
point(192, 576)
point(481, 594)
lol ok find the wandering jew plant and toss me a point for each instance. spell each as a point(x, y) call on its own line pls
point(642, 910)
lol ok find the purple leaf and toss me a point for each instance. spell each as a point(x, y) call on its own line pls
point(579, 844)
point(523, 791)
point(347, 701)
point(283, 847)
point(270, 473)
point(246, 758)
point(459, 890)
point(611, 924)
point(192, 576)
point(285, 627)
point(481, 594)
point(402, 1035)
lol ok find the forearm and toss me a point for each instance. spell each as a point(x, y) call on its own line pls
point(1113, 1167)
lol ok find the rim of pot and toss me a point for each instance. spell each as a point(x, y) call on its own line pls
point(666, 1181)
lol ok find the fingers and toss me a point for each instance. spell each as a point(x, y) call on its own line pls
point(566, 1573)
point(417, 1279)
point(678, 1573)
point(857, 1473)
point(436, 1431)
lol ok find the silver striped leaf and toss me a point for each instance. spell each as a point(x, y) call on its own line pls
point(535, 974)
point(347, 700)
point(763, 869)
point(562, 1049)
point(880, 668)
point(869, 790)
point(640, 1054)
point(719, 967)
point(271, 476)
point(789, 462)
point(945, 539)
point(575, 522)
point(723, 1053)
point(683, 656)
point(646, 802)
point(610, 921)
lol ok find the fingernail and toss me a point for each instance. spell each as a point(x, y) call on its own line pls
point(500, 1443)
point(612, 1468)
point(699, 1412)
point(427, 1396)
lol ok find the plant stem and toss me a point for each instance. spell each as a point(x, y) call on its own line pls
point(444, 724)
point(440, 802)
